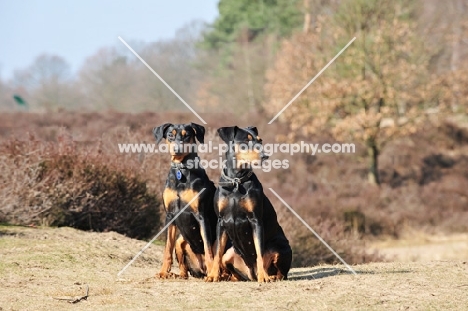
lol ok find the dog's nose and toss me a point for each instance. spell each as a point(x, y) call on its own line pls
point(264, 156)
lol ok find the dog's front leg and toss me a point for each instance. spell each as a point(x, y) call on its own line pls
point(168, 250)
point(206, 236)
point(180, 251)
point(257, 229)
point(214, 274)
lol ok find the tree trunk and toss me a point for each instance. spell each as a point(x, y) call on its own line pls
point(307, 16)
point(457, 11)
point(373, 153)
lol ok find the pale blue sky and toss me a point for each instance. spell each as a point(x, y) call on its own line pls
point(76, 29)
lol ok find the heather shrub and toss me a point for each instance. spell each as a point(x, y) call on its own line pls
point(54, 184)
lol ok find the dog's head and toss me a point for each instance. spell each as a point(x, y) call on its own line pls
point(244, 145)
point(181, 138)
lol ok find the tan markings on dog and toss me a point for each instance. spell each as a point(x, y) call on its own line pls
point(247, 204)
point(258, 138)
point(271, 258)
point(214, 274)
point(249, 137)
point(247, 157)
point(169, 195)
point(177, 158)
point(279, 275)
point(268, 259)
point(241, 270)
point(222, 204)
point(195, 260)
point(167, 257)
point(187, 195)
point(262, 275)
point(174, 132)
point(184, 132)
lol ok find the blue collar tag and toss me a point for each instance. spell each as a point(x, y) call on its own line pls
point(179, 175)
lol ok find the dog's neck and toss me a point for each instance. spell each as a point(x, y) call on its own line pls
point(184, 164)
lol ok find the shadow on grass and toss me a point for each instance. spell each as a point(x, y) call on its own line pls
point(4, 233)
point(320, 273)
point(6, 229)
point(315, 273)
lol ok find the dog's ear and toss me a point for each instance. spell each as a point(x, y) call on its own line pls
point(199, 132)
point(253, 129)
point(160, 132)
point(227, 134)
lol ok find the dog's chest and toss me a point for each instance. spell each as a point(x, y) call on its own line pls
point(177, 198)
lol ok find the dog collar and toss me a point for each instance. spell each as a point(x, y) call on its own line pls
point(178, 166)
point(234, 181)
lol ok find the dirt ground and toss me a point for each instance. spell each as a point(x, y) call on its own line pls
point(40, 268)
point(420, 247)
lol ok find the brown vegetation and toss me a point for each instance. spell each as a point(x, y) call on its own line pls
point(50, 178)
point(65, 169)
point(381, 88)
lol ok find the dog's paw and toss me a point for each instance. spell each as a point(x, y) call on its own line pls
point(274, 278)
point(166, 275)
point(212, 278)
point(263, 278)
point(225, 276)
point(183, 275)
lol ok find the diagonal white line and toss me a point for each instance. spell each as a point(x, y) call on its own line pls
point(312, 81)
point(162, 80)
point(162, 230)
point(313, 231)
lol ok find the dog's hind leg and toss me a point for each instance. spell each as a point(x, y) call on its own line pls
point(270, 261)
point(280, 265)
point(236, 266)
point(194, 263)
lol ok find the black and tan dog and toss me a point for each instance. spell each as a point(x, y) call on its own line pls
point(260, 249)
point(186, 179)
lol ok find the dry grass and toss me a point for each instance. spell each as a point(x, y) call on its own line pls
point(38, 264)
point(422, 247)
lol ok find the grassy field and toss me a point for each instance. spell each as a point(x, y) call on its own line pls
point(42, 267)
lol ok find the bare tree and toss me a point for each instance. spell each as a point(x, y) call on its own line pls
point(47, 81)
point(106, 80)
point(377, 90)
point(114, 78)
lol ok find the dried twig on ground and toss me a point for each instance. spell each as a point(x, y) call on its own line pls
point(74, 299)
